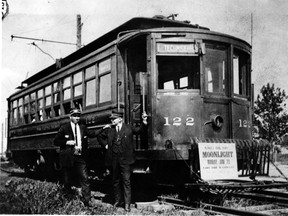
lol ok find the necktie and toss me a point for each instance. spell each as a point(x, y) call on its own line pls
point(76, 139)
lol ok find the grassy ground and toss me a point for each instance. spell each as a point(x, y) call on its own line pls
point(27, 196)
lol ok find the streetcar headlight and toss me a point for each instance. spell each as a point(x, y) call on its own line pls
point(217, 121)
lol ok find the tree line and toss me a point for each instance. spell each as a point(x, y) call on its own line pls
point(270, 118)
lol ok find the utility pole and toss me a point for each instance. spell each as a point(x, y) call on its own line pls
point(79, 28)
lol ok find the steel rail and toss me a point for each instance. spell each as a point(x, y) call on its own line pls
point(226, 210)
point(208, 207)
point(261, 197)
point(273, 193)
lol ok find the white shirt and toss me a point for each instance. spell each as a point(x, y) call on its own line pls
point(119, 126)
point(79, 143)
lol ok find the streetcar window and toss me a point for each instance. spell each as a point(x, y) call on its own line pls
point(90, 92)
point(77, 78)
point(178, 72)
point(90, 85)
point(56, 91)
point(56, 96)
point(105, 66)
point(104, 91)
point(241, 72)
point(33, 107)
point(57, 110)
point(48, 102)
point(14, 116)
point(40, 104)
point(67, 94)
point(26, 109)
point(48, 90)
point(104, 81)
point(215, 62)
point(14, 112)
point(26, 99)
point(48, 113)
point(40, 111)
point(33, 96)
point(90, 72)
point(33, 110)
point(66, 82)
point(40, 93)
point(78, 103)
point(67, 107)
point(66, 88)
point(21, 111)
point(77, 90)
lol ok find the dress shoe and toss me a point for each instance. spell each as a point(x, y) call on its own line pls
point(127, 208)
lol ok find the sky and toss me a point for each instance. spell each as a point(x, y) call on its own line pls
point(262, 23)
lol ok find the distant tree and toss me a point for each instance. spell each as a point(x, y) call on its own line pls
point(269, 113)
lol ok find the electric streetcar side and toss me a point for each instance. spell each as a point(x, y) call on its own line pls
point(195, 85)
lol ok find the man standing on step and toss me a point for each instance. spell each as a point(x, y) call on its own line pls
point(120, 152)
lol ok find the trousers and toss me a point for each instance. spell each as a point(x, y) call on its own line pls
point(121, 174)
point(80, 172)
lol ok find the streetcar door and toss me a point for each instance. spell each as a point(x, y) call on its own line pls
point(137, 86)
point(178, 100)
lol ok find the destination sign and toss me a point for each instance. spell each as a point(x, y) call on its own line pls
point(218, 161)
point(177, 48)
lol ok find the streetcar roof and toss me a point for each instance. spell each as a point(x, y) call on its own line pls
point(138, 23)
point(132, 24)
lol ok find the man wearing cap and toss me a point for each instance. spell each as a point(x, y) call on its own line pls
point(73, 143)
point(120, 154)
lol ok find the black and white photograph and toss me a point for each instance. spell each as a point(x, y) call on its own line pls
point(155, 107)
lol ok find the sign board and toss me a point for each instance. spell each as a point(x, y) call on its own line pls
point(177, 48)
point(218, 161)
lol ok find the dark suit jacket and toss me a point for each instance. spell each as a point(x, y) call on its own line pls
point(126, 135)
point(64, 134)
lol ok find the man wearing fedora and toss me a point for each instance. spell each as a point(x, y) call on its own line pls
point(120, 155)
point(73, 143)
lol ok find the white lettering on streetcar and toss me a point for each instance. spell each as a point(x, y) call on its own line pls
point(177, 121)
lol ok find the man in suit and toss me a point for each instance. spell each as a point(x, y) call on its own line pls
point(120, 152)
point(73, 143)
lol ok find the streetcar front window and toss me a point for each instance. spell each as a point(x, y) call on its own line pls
point(215, 62)
point(241, 68)
point(178, 72)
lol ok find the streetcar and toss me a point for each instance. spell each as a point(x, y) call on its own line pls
point(194, 83)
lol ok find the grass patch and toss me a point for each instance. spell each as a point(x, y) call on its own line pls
point(26, 196)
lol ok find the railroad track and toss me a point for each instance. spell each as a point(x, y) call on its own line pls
point(269, 202)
